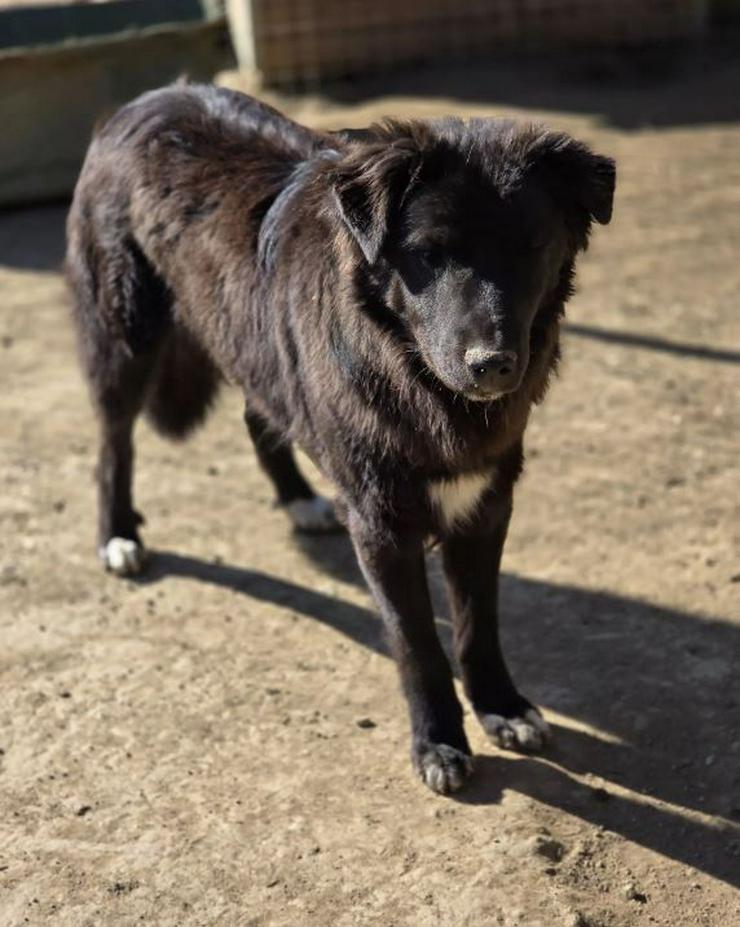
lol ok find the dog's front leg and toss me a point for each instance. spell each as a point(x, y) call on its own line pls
point(472, 558)
point(395, 571)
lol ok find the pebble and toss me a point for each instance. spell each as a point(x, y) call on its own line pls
point(632, 894)
point(549, 848)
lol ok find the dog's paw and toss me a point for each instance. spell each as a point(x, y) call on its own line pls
point(123, 557)
point(528, 731)
point(314, 516)
point(443, 768)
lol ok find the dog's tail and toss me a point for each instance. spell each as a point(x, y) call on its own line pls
point(184, 386)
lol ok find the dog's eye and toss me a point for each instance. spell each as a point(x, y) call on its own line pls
point(430, 255)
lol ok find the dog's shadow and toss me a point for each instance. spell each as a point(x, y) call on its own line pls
point(658, 687)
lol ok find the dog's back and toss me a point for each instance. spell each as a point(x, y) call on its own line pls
point(183, 164)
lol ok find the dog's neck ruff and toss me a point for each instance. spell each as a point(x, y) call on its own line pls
point(271, 227)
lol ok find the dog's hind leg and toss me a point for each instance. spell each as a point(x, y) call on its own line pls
point(308, 511)
point(119, 400)
point(173, 382)
point(121, 310)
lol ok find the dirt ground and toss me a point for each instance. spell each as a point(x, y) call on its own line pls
point(224, 743)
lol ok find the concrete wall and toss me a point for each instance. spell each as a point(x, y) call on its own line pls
point(52, 95)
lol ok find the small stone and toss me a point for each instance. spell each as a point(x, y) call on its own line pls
point(83, 810)
point(549, 848)
point(123, 888)
point(366, 723)
point(632, 894)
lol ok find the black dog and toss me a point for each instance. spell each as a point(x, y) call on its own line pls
point(389, 299)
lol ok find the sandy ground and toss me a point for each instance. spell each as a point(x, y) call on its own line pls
point(224, 744)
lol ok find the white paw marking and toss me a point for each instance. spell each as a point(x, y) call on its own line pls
point(528, 732)
point(123, 556)
point(315, 514)
point(457, 499)
point(444, 769)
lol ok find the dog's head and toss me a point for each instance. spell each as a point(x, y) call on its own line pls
point(469, 228)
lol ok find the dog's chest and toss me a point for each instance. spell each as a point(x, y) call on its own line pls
point(455, 500)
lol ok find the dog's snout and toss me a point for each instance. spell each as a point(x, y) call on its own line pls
point(493, 371)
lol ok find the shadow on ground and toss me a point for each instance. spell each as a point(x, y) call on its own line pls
point(660, 684)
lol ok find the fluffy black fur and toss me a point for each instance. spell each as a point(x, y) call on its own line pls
point(389, 299)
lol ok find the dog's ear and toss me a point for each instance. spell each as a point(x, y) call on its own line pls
point(578, 177)
point(369, 187)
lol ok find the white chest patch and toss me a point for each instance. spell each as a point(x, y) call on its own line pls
point(457, 499)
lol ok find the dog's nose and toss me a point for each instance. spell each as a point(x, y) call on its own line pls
point(493, 371)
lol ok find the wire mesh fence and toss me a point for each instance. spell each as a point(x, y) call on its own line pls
point(295, 41)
